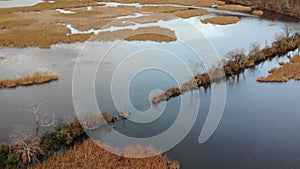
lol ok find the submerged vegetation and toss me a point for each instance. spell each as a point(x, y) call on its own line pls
point(237, 63)
point(38, 77)
point(290, 70)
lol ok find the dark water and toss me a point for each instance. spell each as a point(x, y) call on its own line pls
point(259, 129)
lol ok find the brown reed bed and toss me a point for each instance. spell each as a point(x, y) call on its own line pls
point(89, 155)
point(222, 20)
point(38, 77)
point(287, 71)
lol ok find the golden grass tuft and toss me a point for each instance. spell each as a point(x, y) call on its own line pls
point(258, 12)
point(286, 72)
point(222, 20)
point(89, 155)
point(38, 77)
point(238, 8)
point(190, 13)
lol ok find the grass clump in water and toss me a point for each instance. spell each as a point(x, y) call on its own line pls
point(222, 20)
point(38, 77)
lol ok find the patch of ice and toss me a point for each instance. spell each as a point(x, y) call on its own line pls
point(89, 8)
point(116, 4)
point(64, 11)
point(136, 15)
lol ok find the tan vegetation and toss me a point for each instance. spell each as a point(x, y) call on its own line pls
point(38, 77)
point(222, 20)
point(258, 12)
point(89, 155)
point(41, 25)
point(238, 8)
point(151, 37)
point(154, 33)
point(190, 13)
point(286, 72)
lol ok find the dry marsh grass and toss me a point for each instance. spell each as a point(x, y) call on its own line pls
point(38, 77)
point(89, 155)
point(52, 6)
point(238, 8)
point(41, 25)
point(43, 36)
point(154, 33)
point(287, 71)
point(190, 13)
point(222, 20)
point(151, 37)
point(258, 12)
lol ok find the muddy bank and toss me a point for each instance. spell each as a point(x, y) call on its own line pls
point(222, 20)
point(238, 62)
point(287, 71)
point(36, 78)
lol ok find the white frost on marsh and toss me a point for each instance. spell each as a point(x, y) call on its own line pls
point(64, 11)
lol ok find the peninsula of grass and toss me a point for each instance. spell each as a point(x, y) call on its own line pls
point(90, 155)
point(238, 63)
point(287, 71)
point(38, 77)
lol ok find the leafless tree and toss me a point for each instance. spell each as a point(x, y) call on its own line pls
point(40, 121)
point(237, 56)
point(288, 30)
point(254, 48)
point(26, 145)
